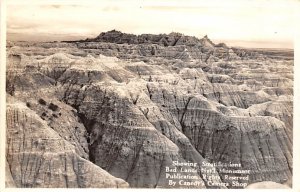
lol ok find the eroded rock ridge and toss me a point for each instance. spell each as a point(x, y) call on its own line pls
point(116, 110)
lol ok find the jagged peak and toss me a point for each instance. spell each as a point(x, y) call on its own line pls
point(205, 41)
point(114, 31)
point(171, 39)
point(111, 31)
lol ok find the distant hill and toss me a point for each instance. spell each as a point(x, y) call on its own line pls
point(171, 39)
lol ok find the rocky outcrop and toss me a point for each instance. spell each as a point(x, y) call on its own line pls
point(171, 39)
point(38, 156)
point(120, 109)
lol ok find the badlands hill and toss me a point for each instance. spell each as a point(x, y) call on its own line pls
point(116, 110)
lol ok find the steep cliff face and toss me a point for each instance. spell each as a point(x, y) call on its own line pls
point(38, 156)
point(77, 118)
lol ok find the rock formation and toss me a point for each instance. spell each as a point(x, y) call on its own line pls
point(120, 109)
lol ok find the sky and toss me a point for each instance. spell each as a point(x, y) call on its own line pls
point(246, 23)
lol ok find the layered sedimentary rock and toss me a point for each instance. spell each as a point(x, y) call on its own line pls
point(38, 156)
point(122, 108)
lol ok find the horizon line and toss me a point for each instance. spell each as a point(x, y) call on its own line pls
point(42, 37)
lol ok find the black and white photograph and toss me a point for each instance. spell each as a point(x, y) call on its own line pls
point(149, 94)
